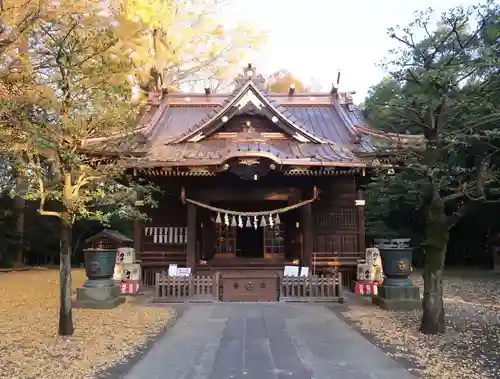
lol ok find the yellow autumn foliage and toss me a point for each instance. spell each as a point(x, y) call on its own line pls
point(184, 40)
point(29, 302)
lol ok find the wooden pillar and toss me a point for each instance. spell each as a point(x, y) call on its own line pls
point(137, 227)
point(191, 236)
point(361, 222)
point(307, 232)
point(138, 224)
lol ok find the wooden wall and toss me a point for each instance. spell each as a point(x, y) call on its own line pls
point(338, 225)
point(336, 219)
point(169, 217)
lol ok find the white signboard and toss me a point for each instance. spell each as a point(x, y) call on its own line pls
point(184, 271)
point(291, 271)
point(172, 270)
point(304, 271)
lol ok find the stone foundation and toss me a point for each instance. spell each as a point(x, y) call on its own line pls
point(99, 297)
point(398, 298)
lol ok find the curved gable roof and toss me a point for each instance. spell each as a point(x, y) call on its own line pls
point(249, 93)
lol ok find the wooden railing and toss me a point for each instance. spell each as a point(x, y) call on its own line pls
point(327, 264)
point(149, 274)
point(174, 289)
point(162, 258)
point(312, 289)
point(322, 260)
point(186, 289)
point(153, 262)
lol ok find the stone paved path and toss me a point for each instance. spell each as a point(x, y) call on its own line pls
point(264, 341)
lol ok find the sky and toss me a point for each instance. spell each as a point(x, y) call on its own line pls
point(317, 38)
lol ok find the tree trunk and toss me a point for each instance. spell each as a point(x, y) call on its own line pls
point(434, 246)
point(65, 312)
point(19, 211)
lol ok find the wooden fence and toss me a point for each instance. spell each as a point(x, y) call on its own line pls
point(179, 289)
point(328, 264)
point(312, 289)
point(149, 275)
point(203, 289)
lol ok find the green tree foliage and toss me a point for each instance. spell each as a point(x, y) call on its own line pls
point(444, 86)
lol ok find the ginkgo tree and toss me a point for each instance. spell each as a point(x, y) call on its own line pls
point(280, 81)
point(185, 41)
point(71, 87)
point(79, 91)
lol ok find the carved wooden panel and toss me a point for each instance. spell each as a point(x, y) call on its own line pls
point(257, 124)
point(339, 243)
point(249, 128)
point(249, 286)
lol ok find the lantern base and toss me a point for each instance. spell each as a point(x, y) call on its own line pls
point(398, 282)
point(99, 283)
point(398, 298)
point(102, 297)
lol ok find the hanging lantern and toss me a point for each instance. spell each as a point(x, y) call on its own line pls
point(240, 221)
point(233, 222)
point(218, 219)
point(277, 220)
point(249, 222)
point(271, 221)
point(255, 222)
point(263, 221)
point(226, 219)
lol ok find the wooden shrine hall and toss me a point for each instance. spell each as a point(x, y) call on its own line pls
point(253, 181)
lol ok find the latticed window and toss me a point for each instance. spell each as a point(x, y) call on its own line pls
point(273, 240)
point(337, 218)
point(225, 241)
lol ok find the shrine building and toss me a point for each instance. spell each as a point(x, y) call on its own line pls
point(253, 181)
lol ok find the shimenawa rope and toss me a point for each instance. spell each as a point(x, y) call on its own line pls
point(251, 214)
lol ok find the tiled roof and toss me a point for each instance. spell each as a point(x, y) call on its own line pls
point(217, 151)
point(248, 88)
point(322, 121)
point(335, 125)
point(324, 127)
point(176, 121)
point(113, 234)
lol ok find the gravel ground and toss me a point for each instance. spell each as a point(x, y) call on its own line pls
point(30, 347)
point(470, 348)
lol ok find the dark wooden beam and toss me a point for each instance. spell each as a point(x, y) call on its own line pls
point(191, 236)
point(137, 231)
point(234, 194)
point(361, 222)
point(138, 225)
point(307, 228)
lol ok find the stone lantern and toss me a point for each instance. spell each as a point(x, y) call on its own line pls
point(397, 291)
point(100, 290)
